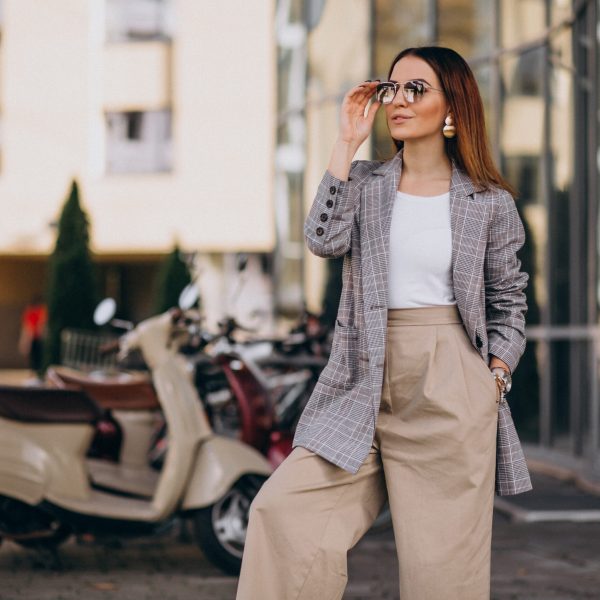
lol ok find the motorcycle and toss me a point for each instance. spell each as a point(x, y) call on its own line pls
point(47, 493)
point(270, 388)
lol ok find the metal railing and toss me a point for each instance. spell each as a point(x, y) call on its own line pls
point(82, 349)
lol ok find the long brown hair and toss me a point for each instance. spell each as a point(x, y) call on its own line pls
point(469, 149)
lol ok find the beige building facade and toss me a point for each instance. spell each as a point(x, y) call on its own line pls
point(168, 128)
point(163, 110)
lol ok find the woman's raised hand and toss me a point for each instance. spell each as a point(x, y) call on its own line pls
point(355, 126)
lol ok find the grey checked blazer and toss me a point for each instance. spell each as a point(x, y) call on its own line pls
point(352, 219)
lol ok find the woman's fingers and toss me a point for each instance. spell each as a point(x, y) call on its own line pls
point(355, 120)
point(373, 111)
point(359, 97)
point(366, 88)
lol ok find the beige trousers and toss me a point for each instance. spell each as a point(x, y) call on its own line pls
point(433, 457)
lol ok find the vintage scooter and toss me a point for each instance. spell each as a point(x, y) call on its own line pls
point(45, 485)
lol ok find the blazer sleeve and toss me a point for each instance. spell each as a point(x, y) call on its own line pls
point(505, 299)
point(328, 225)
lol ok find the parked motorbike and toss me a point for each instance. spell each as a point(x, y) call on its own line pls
point(46, 489)
point(272, 385)
point(270, 388)
point(123, 435)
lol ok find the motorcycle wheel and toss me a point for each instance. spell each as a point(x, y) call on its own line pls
point(220, 529)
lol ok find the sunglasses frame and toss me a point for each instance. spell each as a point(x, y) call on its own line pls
point(397, 85)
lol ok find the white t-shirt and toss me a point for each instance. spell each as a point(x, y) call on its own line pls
point(420, 264)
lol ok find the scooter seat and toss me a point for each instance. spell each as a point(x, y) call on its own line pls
point(46, 405)
point(134, 392)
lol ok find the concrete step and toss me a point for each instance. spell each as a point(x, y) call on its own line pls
point(551, 499)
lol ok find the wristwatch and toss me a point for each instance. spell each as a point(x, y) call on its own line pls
point(504, 380)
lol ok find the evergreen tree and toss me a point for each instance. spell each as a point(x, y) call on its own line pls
point(71, 289)
point(173, 276)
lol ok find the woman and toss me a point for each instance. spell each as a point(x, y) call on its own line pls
point(430, 327)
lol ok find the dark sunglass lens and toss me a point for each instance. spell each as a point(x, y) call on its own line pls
point(413, 90)
point(415, 86)
point(385, 93)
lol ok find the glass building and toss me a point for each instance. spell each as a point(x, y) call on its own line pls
point(536, 62)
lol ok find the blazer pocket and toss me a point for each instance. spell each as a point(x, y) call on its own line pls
point(341, 369)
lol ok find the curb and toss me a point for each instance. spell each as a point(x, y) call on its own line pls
point(585, 483)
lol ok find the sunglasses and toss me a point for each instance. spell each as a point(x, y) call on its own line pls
point(412, 90)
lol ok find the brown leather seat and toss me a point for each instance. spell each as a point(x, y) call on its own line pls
point(47, 405)
point(135, 392)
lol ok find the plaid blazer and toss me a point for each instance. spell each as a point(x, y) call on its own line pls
point(352, 219)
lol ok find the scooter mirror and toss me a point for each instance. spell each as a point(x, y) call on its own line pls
point(188, 296)
point(105, 311)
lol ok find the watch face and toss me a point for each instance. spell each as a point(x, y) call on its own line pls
point(505, 376)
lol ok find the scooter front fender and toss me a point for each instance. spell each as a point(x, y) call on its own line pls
point(220, 463)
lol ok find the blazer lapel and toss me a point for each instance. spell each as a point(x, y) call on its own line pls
point(378, 197)
point(461, 187)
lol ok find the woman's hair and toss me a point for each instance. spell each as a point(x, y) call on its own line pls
point(469, 149)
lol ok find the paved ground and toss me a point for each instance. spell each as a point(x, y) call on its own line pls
point(545, 561)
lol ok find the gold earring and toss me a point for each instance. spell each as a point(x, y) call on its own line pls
point(448, 130)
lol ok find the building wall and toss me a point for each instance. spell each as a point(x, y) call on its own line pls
point(63, 73)
point(339, 57)
point(536, 64)
point(23, 279)
point(59, 76)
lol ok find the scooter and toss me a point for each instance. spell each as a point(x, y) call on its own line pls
point(260, 390)
point(46, 492)
point(132, 410)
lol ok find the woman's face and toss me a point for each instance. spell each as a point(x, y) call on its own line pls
point(425, 117)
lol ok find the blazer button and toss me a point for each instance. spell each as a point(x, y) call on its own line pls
point(332, 190)
point(329, 203)
point(323, 217)
point(478, 341)
point(320, 231)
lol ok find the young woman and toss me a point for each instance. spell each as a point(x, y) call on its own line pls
point(429, 329)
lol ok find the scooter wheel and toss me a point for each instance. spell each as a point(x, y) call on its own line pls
point(54, 540)
point(30, 526)
point(220, 529)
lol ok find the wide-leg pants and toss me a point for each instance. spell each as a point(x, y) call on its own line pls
point(433, 458)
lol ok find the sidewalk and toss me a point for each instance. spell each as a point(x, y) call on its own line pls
point(547, 544)
point(531, 560)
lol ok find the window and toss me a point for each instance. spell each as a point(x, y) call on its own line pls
point(138, 20)
point(138, 142)
point(134, 125)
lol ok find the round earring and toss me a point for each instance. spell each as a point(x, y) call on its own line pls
point(449, 130)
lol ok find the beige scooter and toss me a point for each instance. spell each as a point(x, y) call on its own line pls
point(45, 484)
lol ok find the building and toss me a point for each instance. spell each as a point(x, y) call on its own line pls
point(163, 110)
point(212, 122)
point(537, 65)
